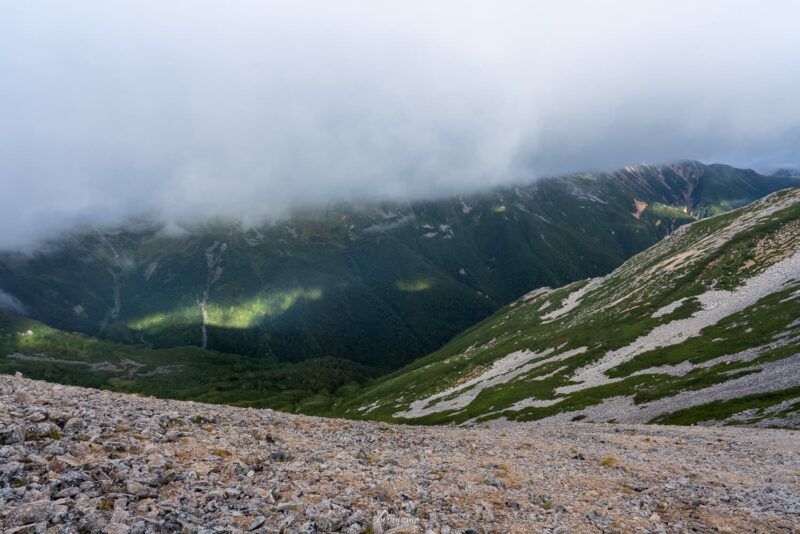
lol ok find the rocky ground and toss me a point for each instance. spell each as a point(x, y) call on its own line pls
point(81, 460)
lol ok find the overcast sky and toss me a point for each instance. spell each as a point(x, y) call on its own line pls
point(246, 108)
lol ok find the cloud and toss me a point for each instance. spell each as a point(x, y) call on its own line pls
point(10, 302)
point(196, 110)
point(388, 226)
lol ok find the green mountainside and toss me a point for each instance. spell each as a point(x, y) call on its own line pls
point(379, 285)
point(184, 373)
point(702, 327)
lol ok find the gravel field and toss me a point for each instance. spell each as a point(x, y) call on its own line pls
point(82, 460)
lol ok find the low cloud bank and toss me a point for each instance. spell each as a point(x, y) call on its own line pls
point(199, 110)
point(10, 303)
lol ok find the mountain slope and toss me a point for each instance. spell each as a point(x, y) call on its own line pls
point(379, 284)
point(703, 326)
point(185, 373)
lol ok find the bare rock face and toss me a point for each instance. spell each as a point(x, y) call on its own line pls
point(81, 460)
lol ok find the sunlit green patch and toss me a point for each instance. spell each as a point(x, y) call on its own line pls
point(252, 312)
point(668, 212)
point(189, 314)
point(413, 286)
point(185, 373)
point(247, 314)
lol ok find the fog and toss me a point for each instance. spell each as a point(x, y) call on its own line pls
point(245, 109)
point(10, 302)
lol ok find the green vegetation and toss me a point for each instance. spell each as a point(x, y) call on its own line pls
point(609, 461)
point(381, 284)
point(186, 373)
point(302, 315)
point(455, 384)
point(721, 410)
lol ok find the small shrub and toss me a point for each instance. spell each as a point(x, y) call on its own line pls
point(502, 470)
point(609, 461)
point(222, 453)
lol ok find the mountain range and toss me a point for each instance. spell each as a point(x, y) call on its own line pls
point(703, 327)
point(299, 313)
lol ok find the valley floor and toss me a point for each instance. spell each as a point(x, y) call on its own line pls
point(75, 459)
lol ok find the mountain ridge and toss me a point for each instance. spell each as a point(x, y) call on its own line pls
point(701, 327)
point(379, 285)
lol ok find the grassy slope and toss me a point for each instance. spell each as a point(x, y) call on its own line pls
point(602, 322)
point(186, 373)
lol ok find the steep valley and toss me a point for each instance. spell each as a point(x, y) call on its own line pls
point(361, 290)
point(703, 327)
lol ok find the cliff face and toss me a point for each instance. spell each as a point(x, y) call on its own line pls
point(82, 460)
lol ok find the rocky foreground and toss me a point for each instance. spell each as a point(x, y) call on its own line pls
point(82, 460)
